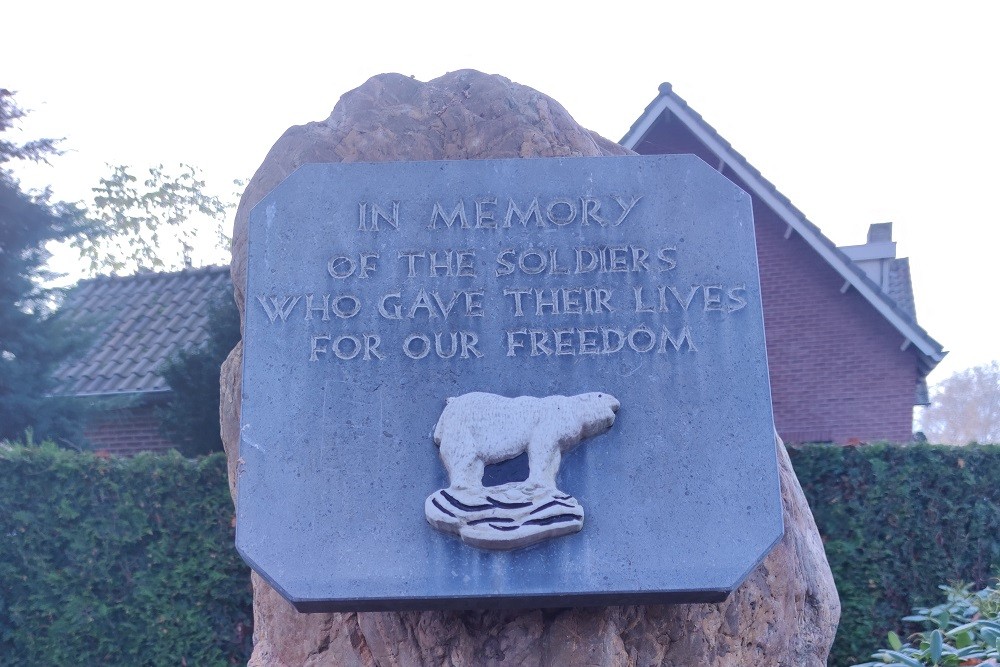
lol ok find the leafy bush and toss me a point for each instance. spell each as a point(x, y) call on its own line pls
point(965, 630)
point(896, 521)
point(190, 416)
point(113, 561)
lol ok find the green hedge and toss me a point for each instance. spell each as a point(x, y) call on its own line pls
point(130, 561)
point(108, 561)
point(896, 523)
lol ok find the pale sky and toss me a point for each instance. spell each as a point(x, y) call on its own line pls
point(859, 112)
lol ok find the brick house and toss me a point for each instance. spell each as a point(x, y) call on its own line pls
point(847, 359)
point(138, 323)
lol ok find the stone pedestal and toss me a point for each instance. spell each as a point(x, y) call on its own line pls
point(785, 613)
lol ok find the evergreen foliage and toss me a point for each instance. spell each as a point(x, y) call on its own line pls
point(114, 561)
point(32, 340)
point(131, 561)
point(191, 415)
point(897, 522)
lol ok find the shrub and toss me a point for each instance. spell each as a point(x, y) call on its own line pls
point(896, 521)
point(113, 561)
point(965, 630)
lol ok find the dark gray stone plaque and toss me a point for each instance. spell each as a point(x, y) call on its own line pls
point(629, 286)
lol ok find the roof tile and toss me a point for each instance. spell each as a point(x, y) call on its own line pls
point(139, 322)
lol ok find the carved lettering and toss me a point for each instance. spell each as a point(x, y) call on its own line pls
point(713, 297)
point(626, 207)
point(473, 302)
point(684, 336)
point(416, 346)
point(449, 220)
point(469, 341)
point(411, 259)
point(542, 301)
point(346, 346)
point(609, 347)
point(539, 342)
point(434, 265)
point(325, 308)
point(315, 348)
point(422, 301)
point(276, 309)
point(589, 207)
point(506, 266)
point(523, 217)
point(350, 311)
point(349, 351)
point(666, 256)
point(640, 306)
point(464, 263)
point(423, 348)
point(534, 266)
point(564, 341)
point(735, 295)
point(618, 259)
point(453, 349)
point(641, 339)
point(370, 224)
point(596, 340)
point(517, 294)
point(484, 212)
point(397, 310)
point(685, 302)
point(446, 307)
point(561, 211)
point(340, 266)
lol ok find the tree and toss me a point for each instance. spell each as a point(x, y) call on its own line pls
point(191, 415)
point(32, 340)
point(153, 223)
point(965, 407)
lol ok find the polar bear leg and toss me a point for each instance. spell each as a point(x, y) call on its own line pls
point(544, 457)
point(465, 470)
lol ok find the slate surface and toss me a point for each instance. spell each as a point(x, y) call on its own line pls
point(681, 495)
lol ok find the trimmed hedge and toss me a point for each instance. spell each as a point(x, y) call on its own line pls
point(112, 561)
point(131, 561)
point(896, 523)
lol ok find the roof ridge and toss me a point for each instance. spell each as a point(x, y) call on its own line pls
point(669, 101)
point(152, 275)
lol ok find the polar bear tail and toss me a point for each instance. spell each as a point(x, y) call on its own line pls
point(440, 422)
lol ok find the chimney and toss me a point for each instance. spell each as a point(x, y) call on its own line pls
point(875, 256)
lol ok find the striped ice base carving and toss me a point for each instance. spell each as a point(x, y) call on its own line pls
point(504, 517)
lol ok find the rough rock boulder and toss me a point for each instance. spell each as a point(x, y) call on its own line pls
point(785, 613)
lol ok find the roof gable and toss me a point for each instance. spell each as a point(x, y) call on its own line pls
point(139, 322)
point(668, 105)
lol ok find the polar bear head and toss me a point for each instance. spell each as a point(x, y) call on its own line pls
point(596, 411)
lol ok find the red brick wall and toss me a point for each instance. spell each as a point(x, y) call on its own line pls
point(837, 371)
point(126, 431)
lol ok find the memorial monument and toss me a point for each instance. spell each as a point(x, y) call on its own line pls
point(507, 383)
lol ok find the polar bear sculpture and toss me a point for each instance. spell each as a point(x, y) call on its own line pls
point(480, 429)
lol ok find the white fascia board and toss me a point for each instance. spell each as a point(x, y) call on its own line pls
point(640, 129)
point(831, 256)
point(883, 250)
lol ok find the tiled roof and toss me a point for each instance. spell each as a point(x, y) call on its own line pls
point(138, 323)
point(900, 287)
point(894, 310)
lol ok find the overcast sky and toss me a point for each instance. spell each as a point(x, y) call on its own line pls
point(859, 112)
